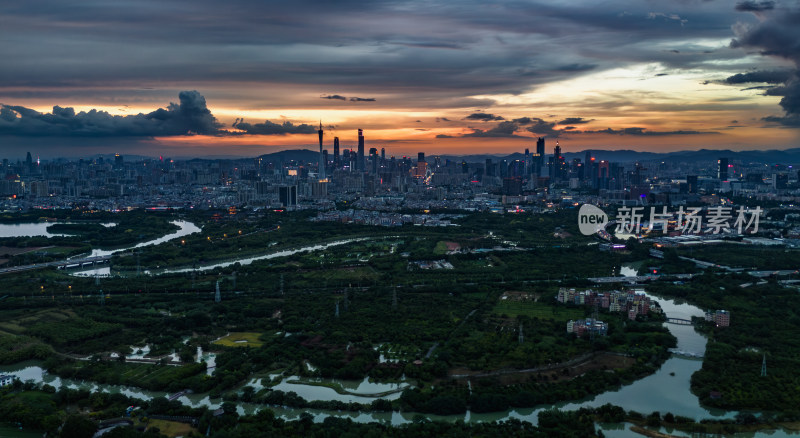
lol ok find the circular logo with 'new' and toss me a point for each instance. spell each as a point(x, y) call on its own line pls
point(591, 219)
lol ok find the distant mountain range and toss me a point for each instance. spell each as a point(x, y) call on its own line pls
point(787, 156)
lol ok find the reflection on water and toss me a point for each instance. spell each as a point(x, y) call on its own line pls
point(249, 260)
point(184, 229)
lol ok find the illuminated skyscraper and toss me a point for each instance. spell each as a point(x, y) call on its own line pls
point(360, 159)
point(321, 156)
point(722, 170)
point(336, 160)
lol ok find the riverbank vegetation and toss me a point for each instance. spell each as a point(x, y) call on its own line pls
point(763, 325)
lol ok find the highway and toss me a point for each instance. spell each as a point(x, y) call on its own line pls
point(61, 264)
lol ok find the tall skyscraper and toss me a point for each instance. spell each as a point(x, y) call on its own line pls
point(722, 169)
point(321, 157)
point(420, 157)
point(373, 158)
point(360, 158)
point(336, 161)
point(540, 154)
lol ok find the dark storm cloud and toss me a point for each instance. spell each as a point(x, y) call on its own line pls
point(333, 96)
point(503, 129)
point(753, 6)
point(271, 128)
point(544, 128)
point(769, 77)
point(392, 47)
point(777, 34)
point(635, 131)
point(483, 117)
point(189, 116)
point(573, 121)
point(362, 99)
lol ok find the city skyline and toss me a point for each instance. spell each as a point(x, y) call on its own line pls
point(446, 78)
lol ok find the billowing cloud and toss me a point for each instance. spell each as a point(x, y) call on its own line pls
point(777, 34)
point(189, 116)
point(484, 117)
point(271, 128)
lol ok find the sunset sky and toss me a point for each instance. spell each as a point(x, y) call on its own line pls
point(244, 78)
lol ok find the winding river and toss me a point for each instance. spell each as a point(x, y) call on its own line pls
point(668, 390)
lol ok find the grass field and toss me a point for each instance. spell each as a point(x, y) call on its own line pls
point(240, 339)
point(171, 428)
point(533, 309)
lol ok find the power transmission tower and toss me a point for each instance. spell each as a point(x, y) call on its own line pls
point(764, 366)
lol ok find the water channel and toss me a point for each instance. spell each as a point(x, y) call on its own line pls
point(668, 390)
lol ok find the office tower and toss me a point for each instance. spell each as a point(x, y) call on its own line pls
point(336, 161)
point(360, 158)
point(722, 169)
point(528, 166)
point(540, 152)
point(557, 163)
point(383, 157)
point(488, 167)
point(288, 195)
point(325, 159)
point(691, 182)
point(420, 157)
point(373, 157)
point(321, 169)
point(512, 186)
point(780, 180)
point(118, 161)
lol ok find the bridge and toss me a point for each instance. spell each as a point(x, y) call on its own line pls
point(61, 264)
point(687, 354)
point(679, 321)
